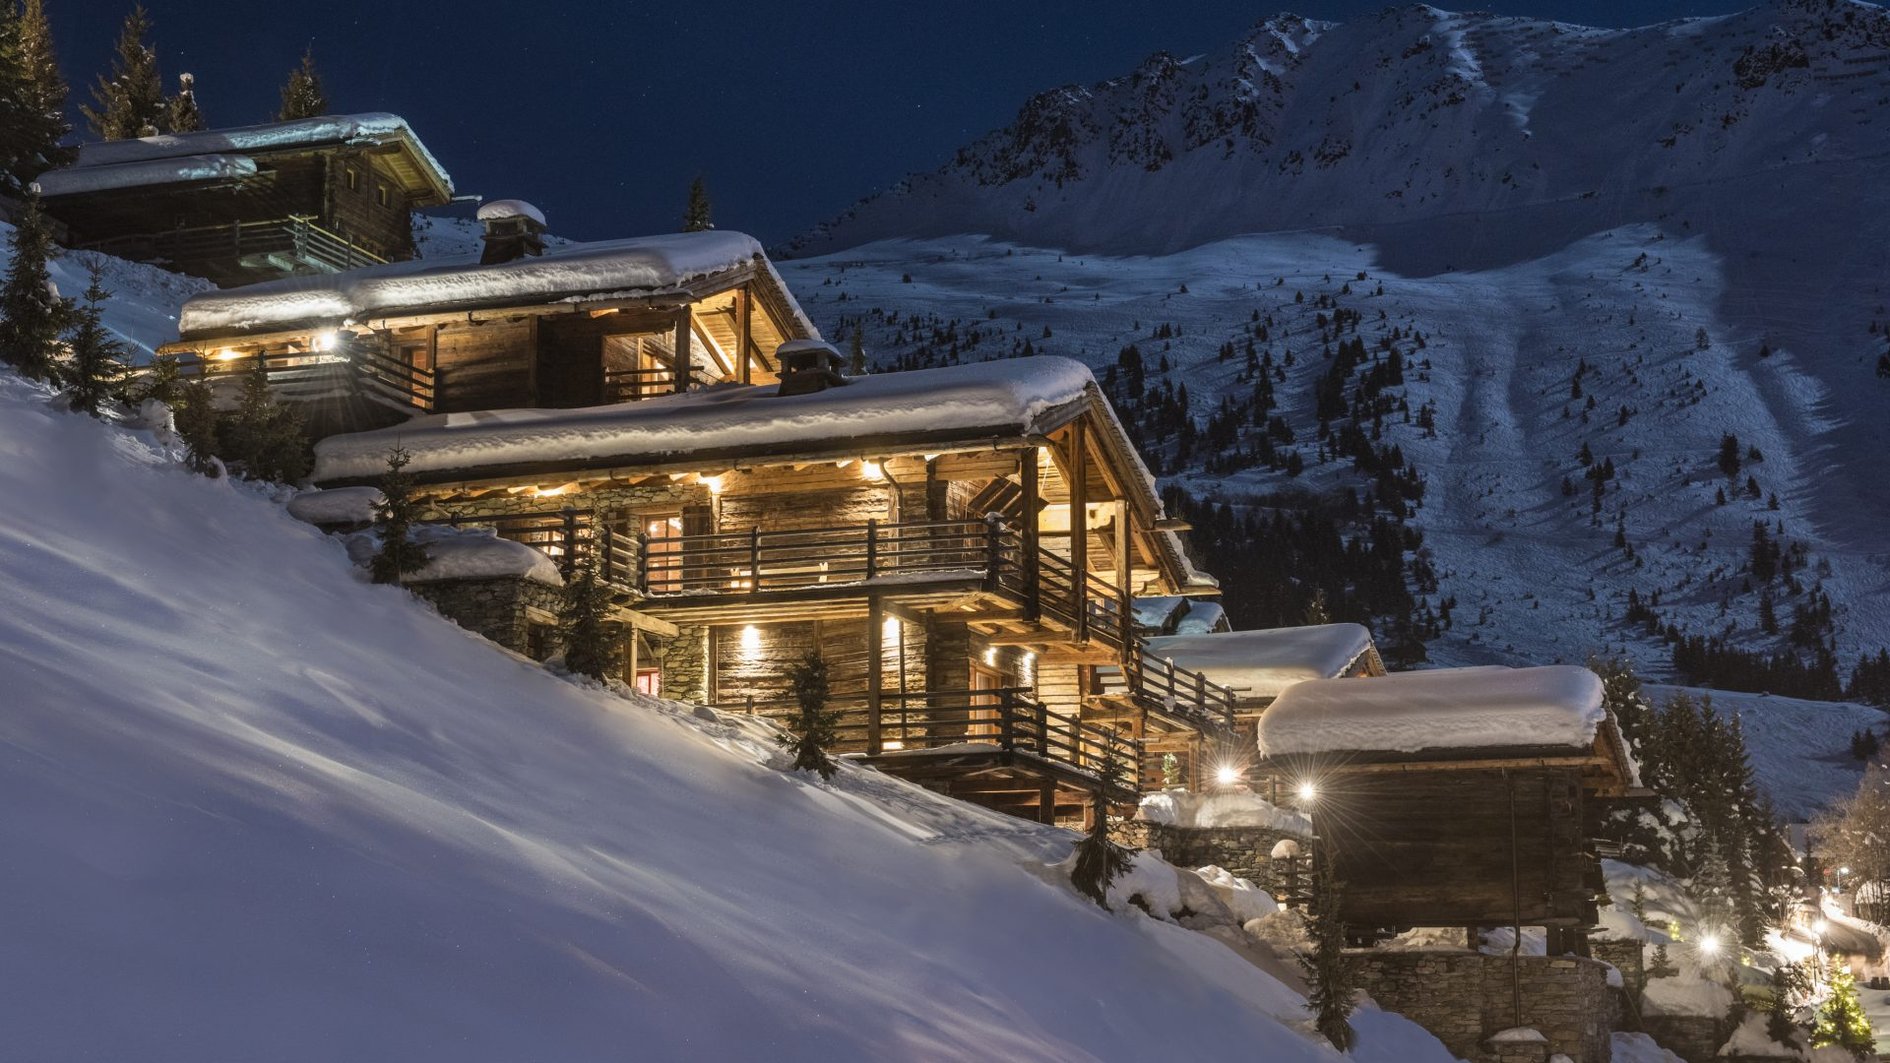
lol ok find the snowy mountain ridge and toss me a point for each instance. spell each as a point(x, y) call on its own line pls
point(1408, 115)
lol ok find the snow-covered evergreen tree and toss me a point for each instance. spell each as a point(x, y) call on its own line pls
point(302, 94)
point(32, 98)
point(814, 730)
point(1841, 1020)
point(194, 417)
point(1329, 974)
point(1100, 860)
point(181, 113)
point(95, 373)
point(263, 437)
point(589, 636)
point(32, 313)
point(394, 518)
point(696, 217)
point(129, 102)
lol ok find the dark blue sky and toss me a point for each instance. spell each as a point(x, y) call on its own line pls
point(601, 112)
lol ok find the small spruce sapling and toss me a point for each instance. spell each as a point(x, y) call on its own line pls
point(696, 216)
point(194, 417)
point(181, 112)
point(812, 735)
point(1329, 972)
point(1841, 1020)
point(1789, 985)
point(856, 359)
point(1100, 860)
point(394, 518)
point(589, 635)
point(95, 374)
point(264, 437)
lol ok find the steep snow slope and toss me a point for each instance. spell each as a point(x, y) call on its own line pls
point(1800, 749)
point(255, 808)
point(142, 311)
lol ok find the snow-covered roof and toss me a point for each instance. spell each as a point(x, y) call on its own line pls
point(734, 422)
point(509, 208)
point(341, 505)
point(1202, 618)
point(1407, 712)
point(1261, 664)
point(371, 128)
point(184, 169)
point(572, 273)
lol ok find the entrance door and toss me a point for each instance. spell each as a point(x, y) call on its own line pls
point(983, 719)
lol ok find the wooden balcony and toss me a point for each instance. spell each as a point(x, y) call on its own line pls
point(354, 370)
point(247, 250)
point(998, 747)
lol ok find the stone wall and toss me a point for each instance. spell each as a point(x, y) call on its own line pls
point(498, 609)
point(1694, 1038)
point(1465, 997)
point(685, 664)
point(1245, 851)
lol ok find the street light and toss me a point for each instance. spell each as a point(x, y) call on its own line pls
point(1227, 775)
point(1308, 792)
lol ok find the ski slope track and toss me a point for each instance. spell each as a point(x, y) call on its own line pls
point(259, 809)
point(1530, 196)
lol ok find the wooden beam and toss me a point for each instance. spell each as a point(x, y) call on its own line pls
point(684, 329)
point(875, 664)
point(1079, 528)
point(1125, 574)
point(1033, 584)
point(744, 330)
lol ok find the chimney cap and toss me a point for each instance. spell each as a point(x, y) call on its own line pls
point(807, 366)
point(510, 208)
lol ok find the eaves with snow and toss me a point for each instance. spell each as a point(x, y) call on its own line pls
point(1259, 665)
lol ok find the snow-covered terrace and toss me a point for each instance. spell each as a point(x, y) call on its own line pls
point(604, 271)
point(1258, 665)
point(954, 407)
point(175, 158)
point(1550, 707)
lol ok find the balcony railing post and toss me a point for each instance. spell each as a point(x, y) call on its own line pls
point(872, 547)
point(643, 562)
point(1007, 722)
point(569, 563)
point(993, 550)
point(754, 558)
point(608, 559)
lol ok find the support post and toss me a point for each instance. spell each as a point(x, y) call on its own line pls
point(754, 558)
point(568, 563)
point(875, 665)
point(872, 547)
point(684, 357)
point(1033, 583)
point(636, 637)
point(744, 327)
point(1124, 573)
point(1079, 530)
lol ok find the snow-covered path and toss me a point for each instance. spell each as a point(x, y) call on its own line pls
point(256, 808)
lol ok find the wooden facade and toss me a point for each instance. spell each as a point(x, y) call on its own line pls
point(329, 199)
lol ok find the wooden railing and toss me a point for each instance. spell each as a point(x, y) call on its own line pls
point(1006, 719)
point(357, 368)
point(297, 238)
point(629, 385)
point(757, 560)
point(1157, 685)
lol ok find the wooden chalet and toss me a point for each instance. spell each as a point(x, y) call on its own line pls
point(960, 544)
point(1456, 797)
point(315, 195)
point(520, 326)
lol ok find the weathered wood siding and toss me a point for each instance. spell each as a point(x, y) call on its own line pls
point(374, 213)
point(1433, 848)
point(485, 366)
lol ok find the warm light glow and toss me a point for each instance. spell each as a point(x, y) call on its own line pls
point(325, 341)
point(1820, 927)
point(1844, 870)
point(872, 470)
point(227, 355)
point(1227, 775)
point(751, 640)
point(1308, 792)
point(714, 484)
point(990, 657)
point(889, 629)
point(1709, 944)
point(548, 492)
point(892, 744)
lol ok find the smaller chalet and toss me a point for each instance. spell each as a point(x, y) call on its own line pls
point(517, 327)
point(235, 206)
point(1456, 797)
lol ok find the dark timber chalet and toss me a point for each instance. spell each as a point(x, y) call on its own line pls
point(1457, 797)
point(254, 203)
point(960, 544)
point(519, 326)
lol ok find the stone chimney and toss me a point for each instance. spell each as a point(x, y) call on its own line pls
point(807, 366)
point(514, 229)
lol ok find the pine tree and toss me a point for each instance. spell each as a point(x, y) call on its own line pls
point(1317, 611)
point(1099, 859)
point(194, 417)
point(590, 637)
point(32, 98)
point(1789, 985)
point(394, 518)
point(31, 312)
point(130, 102)
point(164, 383)
point(856, 360)
point(262, 437)
point(95, 374)
point(302, 94)
point(696, 215)
point(181, 114)
point(1329, 972)
point(1841, 1020)
point(815, 729)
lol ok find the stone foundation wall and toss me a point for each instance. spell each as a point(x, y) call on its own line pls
point(1694, 1038)
point(685, 664)
point(1245, 851)
point(494, 608)
point(1466, 997)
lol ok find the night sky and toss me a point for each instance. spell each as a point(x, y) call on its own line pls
point(601, 112)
